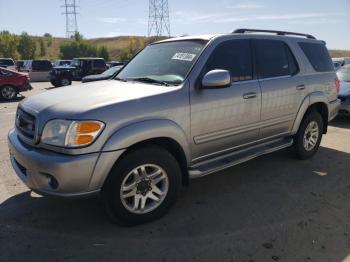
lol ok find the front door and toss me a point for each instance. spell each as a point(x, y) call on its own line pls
point(224, 118)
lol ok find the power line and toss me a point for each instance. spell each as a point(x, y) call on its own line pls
point(70, 10)
point(158, 18)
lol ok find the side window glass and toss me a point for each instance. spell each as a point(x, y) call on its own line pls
point(272, 58)
point(234, 56)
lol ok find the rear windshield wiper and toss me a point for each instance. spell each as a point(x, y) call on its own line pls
point(149, 80)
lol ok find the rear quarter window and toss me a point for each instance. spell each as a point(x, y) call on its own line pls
point(318, 56)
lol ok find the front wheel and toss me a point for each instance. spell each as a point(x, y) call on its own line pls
point(142, 186)
point(8, 93)
point(308, 138)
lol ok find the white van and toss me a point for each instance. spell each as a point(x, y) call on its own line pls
point(38, 70)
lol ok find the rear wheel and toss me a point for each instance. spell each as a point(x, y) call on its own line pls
point(8, 92)
point(308, 138)
point(142, 186)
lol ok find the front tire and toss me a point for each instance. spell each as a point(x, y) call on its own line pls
point(8, 93)
point(142, 186)
point(308, 138)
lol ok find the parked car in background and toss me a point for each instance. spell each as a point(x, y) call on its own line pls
point(344, 92)
point(19, 65)
point(181, 108)
point(342, 60)
point(114, 63)
point(108, 74)
point(12, 83)
point(336, 65)
point(61, 63)
point(7, 63)
point(80, 67)
point(38, 70)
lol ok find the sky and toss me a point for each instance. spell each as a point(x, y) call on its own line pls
point(328, 20)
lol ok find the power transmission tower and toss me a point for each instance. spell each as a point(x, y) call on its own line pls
point(70, 10)
point(158, 18)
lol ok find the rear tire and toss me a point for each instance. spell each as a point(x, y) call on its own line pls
point(142, 186)
point(308, 138)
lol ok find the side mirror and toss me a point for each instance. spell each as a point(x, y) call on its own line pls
point(217, 78)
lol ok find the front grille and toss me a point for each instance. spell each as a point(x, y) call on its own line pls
point(25, 124)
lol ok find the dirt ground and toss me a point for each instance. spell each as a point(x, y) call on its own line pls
point(273, 208)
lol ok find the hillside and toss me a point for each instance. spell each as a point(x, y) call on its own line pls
point(115, 44)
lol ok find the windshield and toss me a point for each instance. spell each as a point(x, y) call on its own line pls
point(75, 62)
point(111, 71)
point(344, 75)
point(167, 62)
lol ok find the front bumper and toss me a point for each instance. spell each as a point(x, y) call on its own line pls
point(51, 173)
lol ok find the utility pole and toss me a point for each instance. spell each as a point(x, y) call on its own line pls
point(158, 18)
point(70, 10)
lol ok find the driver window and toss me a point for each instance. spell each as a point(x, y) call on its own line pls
point(234, 56)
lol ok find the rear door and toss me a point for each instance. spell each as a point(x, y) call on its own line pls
point(281, 86)
point(224, 118)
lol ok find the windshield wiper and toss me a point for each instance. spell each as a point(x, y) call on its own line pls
point(149, 80)
point(120, 79)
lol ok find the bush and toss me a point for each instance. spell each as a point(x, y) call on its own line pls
point(78, 47)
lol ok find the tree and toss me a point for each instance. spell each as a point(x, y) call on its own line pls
point(8, 45)
point(48, 38)
point(103, 52)
point(77, 46)
point(42, 50)
point(26, 46)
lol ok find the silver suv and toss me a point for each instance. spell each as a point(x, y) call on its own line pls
point(182, 108)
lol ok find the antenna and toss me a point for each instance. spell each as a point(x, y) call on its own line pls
point(158, 18)
point(70, 10)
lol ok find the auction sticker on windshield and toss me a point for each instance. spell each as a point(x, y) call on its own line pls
point(184, 56)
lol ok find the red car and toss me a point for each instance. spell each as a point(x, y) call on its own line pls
point(11, 83)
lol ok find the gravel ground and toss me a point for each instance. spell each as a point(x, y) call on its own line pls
point(273, 208)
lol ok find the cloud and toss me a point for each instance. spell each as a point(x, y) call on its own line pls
point(111, 20)
point(193, 17)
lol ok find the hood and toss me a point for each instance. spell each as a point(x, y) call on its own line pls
point(96, 77)
point(81, 98)
point(344, 88)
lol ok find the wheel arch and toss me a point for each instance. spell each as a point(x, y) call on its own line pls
point(163, 133)
point(316, 101)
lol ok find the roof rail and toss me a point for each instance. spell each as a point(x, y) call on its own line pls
point(245, 30)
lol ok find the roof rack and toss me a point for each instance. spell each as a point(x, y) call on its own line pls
point(245, 30)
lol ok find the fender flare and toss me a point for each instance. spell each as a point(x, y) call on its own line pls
point(148, 129)
point(315, 97)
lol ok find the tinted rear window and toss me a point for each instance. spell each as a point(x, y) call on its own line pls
point(274, 59)
point(318, 56)
point(43, 65)
point(7, 62)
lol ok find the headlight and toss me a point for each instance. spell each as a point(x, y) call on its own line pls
point(67, 133)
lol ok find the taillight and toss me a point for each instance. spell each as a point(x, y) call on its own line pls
point(337, 84)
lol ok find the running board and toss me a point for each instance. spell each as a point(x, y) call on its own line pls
point(237, 157)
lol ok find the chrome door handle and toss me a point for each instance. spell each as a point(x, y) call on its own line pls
point(300, 87)
point(249, 95)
